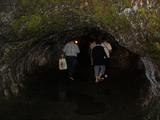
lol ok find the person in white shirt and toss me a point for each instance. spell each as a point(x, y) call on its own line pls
point(71, 50)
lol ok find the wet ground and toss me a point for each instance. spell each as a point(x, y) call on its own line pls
point(83, 100)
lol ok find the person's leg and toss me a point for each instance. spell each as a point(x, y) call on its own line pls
point(103, 69)
point(73, 63)
point(69, 65)
point(102, 72)
point(96, 72)
point(73, 68)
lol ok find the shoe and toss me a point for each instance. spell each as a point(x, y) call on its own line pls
point(104, 76)
point(97, 79)
point(101, 79)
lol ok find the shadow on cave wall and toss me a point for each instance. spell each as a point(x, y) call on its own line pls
point(126, 71)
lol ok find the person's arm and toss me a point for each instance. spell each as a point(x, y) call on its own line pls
point(93, 54)
point(109, 47)
point(64, 49)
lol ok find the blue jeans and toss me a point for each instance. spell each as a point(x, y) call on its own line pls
point(71, 64)
point(99, 70)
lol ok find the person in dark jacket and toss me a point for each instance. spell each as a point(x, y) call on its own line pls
point(99, 61)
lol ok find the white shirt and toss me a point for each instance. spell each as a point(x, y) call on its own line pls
point(71, 49)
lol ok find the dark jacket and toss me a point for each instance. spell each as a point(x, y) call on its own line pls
point(99, 55)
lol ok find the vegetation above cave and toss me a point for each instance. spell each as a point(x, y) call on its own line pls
point(135, 26)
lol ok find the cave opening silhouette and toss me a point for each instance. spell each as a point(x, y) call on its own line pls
point(48, 94)
point(126, 73)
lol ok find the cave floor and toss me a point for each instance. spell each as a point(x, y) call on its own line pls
point(84, 101)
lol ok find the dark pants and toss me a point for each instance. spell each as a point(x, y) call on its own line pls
point(71, 63)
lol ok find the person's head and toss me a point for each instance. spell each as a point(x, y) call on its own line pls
point(72, 41)
point(105, 40)
point(98, 42)
point(99, 39)
point(92, 37)
point(92, 44)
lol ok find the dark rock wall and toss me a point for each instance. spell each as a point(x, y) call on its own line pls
point(7, 5)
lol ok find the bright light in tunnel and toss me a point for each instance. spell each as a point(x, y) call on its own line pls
point(76, 41)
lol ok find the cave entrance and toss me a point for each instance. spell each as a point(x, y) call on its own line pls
point(126, 72)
